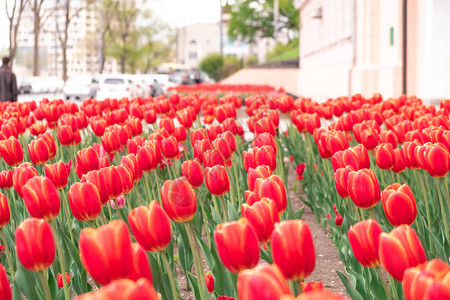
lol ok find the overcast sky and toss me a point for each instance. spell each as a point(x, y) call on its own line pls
point(174, 12)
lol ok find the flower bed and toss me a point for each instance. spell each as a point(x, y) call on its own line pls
point(110, 197)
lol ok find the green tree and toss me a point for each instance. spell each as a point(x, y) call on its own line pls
point(212, 65)
point(254, 18)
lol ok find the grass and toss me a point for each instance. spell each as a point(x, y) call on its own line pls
point(289, 54)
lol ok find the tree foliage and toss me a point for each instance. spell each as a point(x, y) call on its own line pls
point(218, 67)
point(254, 18)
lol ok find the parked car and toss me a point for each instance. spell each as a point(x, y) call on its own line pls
point(23, 85)
point(142, 88)
point(181, 78)
point(115, 86)
point(81, 87)
point(38, 85)
point(54, 84)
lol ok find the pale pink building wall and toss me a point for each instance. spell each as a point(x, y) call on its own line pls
point(337, 58)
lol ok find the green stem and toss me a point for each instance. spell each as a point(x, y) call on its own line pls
point(67, 212)
point(443, 212)
point(238, 187)
point(169, 274)
point(147, 188)
point(372, 213)
point(61, 258)
point(42, 277)
point(205, 218)
point(383, 283)
point(197, 258)
point(225, 211)
point(8, 254)
point(392, 176)
point(425, 196)
point(157, 186)
point(291, 286)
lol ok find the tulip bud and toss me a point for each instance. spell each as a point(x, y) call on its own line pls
point(65, 135)
point(179, 199)
point(363, 188)
point(364, 240)
point(150, 226)
point(262, 216)
point(5, 214)
point(399, 250)
point(216, 179)
point(35, 245)
point(84, 201)
point(105, 252)
point(293, 249)
point(265, 282)
point(209, 282)
point(5, 287)
point(237, 245)
point(41, 198)
point(399, 204)
point(60, 278)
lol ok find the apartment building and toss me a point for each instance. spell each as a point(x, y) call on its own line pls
point(83, 42)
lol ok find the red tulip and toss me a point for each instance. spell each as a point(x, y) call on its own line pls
point(169, 147)
point(5, 214)
point(5, 287)
point(400, 161)
point(60, 278)
point(399, 204)
point(41, 198)
point(266, 156)
point(141, 266)
point(39, 151)
point(134, 144)
point(363, 188)
point(150, 116)
point(21, 175)
point(192, 170)
point(201, 147)
point(237, 245)
point(112, 179)
point(111, 140)
point(312, 286)
point(34, 244)
point(167, 124)
point(106, 253)
point(222, 145)
point(150, 226)
point(265, 282)
point(388, 136)
point(261, 171)
point(216, 180)
point(427, 281)
point(262, 216)
point(384, 156)
point(209, 282)
point(213, 158)
point(179, 199)
point(265, 124)
point(341, 180)
point(149, 156)
point(364, 240)
point(293, 249)
point(198, 135)
point(127, 289)
point(65, 135)
point(272, 188)
point(58, 174)
point(11, 151)
point(100, 183)
point(49, 139)
point(264, 139)
point(84, 201)
point(87, 160)
point(399, 250)
point(6, 179)
point(131, 162)
point(370, 138)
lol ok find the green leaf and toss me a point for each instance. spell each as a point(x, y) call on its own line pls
point(26, 282)
point(376, 288)
point(299, 213)
point(53, 286)
point(206, 252)
point(354, 294)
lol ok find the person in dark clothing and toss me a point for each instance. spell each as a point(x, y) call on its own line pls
point(8, 83)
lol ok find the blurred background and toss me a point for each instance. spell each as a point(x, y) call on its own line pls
point(314, 48)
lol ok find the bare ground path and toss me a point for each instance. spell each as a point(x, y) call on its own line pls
point(327, 259)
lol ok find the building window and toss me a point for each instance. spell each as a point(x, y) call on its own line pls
point(192, 55)
point(193, 42)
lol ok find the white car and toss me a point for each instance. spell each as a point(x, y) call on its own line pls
point(142, 88)
point(80, 87)
point(54, 84)
point(38, 85)
point(115, 86)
